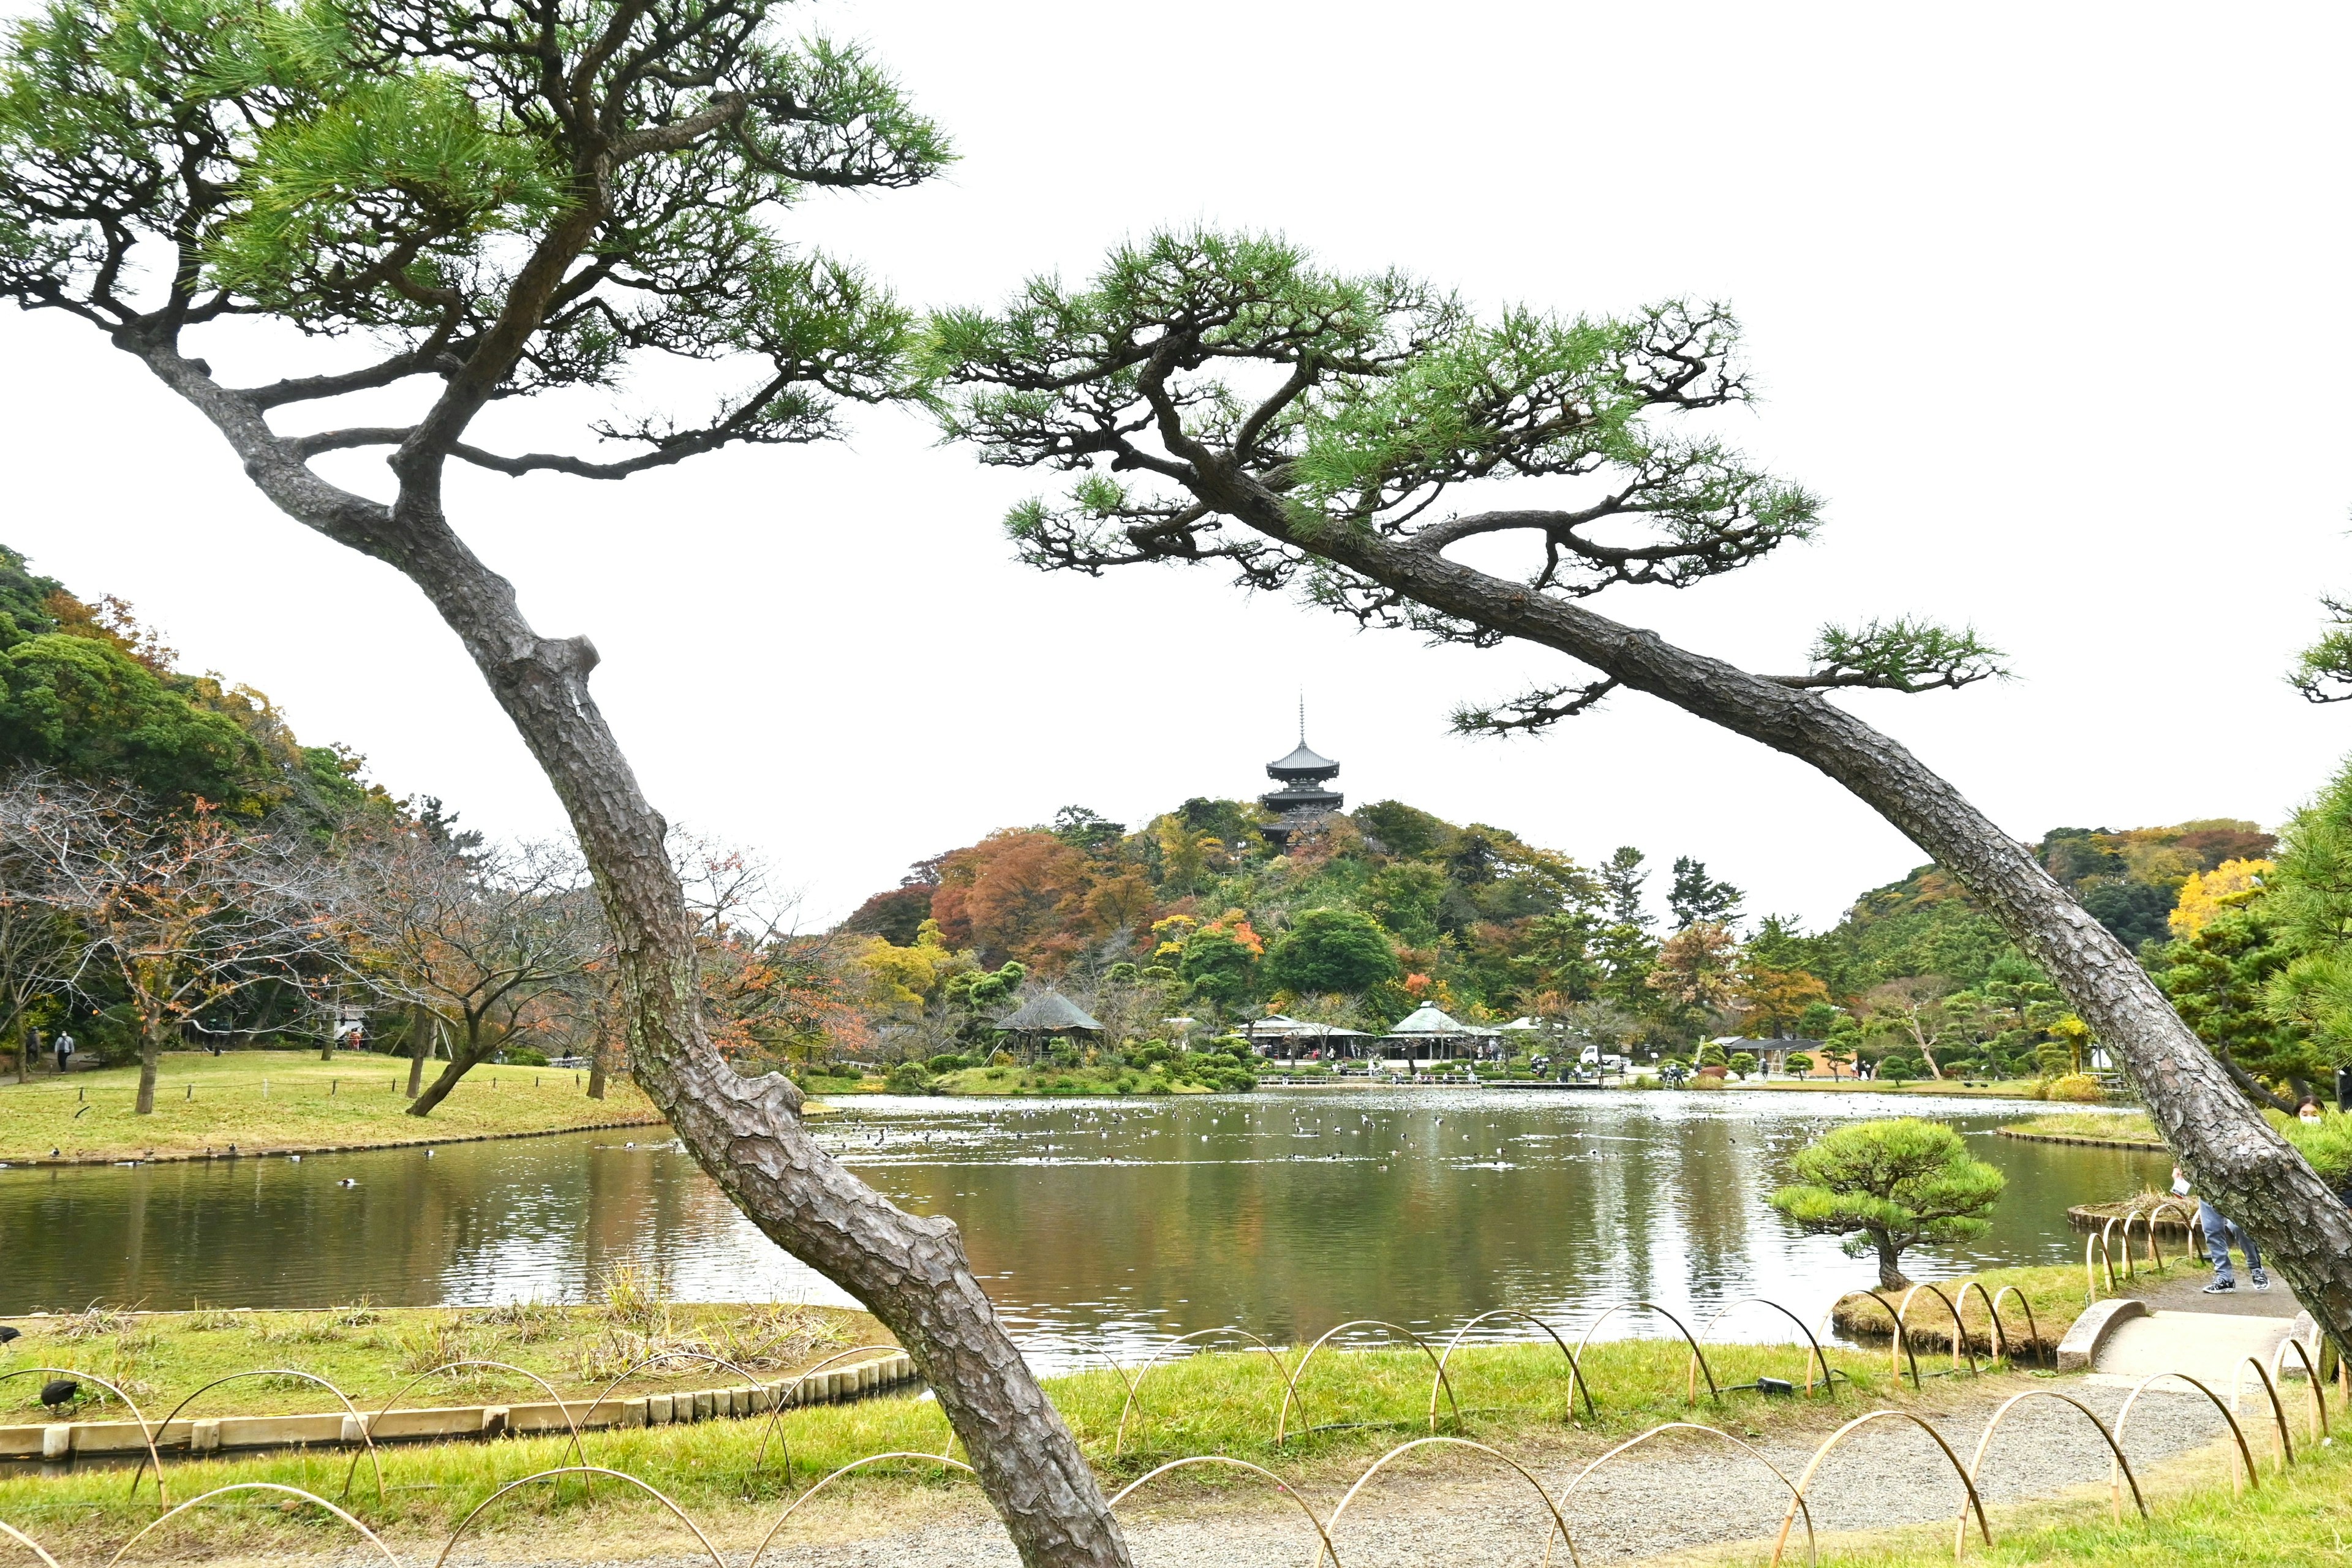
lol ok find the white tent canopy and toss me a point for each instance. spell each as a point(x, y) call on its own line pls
point(1276, 1026)
point(1426, 1022)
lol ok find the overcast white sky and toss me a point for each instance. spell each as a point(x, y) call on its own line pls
point(2047, 302)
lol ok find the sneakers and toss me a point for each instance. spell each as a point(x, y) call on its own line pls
point(2262, 1280)
point(2220, 1287)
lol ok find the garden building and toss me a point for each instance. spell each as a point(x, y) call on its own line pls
point(1428, 1030)
point(1044, 1016)
point(1291, 1038)
point(1303, 799)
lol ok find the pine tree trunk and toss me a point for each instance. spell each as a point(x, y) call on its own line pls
point(2234, 1156)
point(600, 1055)
point(909, 1270)
point(1890, 1263)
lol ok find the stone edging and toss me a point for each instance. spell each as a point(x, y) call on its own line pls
point(65, 1440)
point(2143, 1144)
point(282, 1150)
point(2080, 1349)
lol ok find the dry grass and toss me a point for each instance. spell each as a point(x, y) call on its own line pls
point(368, 1352)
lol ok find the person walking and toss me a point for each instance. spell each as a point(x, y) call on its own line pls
point(65, 1050)
point(2219, 1231)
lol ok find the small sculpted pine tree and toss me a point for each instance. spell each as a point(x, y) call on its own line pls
point(1889, 1186)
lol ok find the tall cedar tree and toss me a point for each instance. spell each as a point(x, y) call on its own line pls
point(510, 198)
point(1225, 400)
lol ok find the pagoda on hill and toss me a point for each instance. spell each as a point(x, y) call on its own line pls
point(1302, 799)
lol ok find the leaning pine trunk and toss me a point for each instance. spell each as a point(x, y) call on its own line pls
point(909, 1270)
point(2236, 1158)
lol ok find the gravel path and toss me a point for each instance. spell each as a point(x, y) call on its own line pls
point(1456, 1509)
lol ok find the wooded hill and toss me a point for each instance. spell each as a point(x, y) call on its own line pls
point(1389, 906)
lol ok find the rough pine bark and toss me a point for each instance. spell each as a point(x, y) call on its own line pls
point(2235, 1157)
point(909, 1270)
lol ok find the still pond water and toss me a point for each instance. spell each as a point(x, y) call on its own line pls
point(1131, 1221)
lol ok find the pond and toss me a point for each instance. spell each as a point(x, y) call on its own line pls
point(1132, 1221)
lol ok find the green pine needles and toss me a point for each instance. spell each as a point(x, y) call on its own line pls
point(1888, 1186)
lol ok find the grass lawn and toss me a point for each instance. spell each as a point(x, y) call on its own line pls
point(1946, 1089)
point(2131, 1126)
point(288, 1099)
point(1356, 1403)
point(371, 1353)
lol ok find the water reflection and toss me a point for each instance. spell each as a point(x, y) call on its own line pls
point(1129, 1220)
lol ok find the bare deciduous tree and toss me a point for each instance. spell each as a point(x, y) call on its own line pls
point(183, 912)
point(477, 937)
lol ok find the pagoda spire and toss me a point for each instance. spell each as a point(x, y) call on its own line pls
point(1305, 796)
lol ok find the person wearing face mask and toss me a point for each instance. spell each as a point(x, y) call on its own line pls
point(2308, 1111)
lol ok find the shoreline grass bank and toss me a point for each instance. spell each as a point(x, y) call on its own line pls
point(1353, 1404)
point(267, 1102)
point(371, 1353)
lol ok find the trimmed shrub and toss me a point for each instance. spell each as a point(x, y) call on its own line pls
point(2078, 1088)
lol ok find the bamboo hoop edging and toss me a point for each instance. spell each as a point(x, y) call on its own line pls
point(790, 1508)
point(146, 1431)
point(1997, 1331)
point(1594, 1327)
point(783, 1396)
point(1960, 1330)
point(1289, 1376)
point(1281, 1433)
point(2090, 1275)
point(1690, 1373)
point(1576, 1382)
point(2311, 1375)
point(557, 1474)
point(1780, 1544)
point(1560, 1525)
point(1898, 1346)
point(2106, 1237)
point(37, 1550)
point(365, 1435)
point(368, 1425)
point(2032, 1329)
point(1812, 1545)
point(2238, 1484)
point(1322, 1533)
point(2243, 1474)
point(2278, 1411)
point(369, 1535)
point(1984, 1442)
